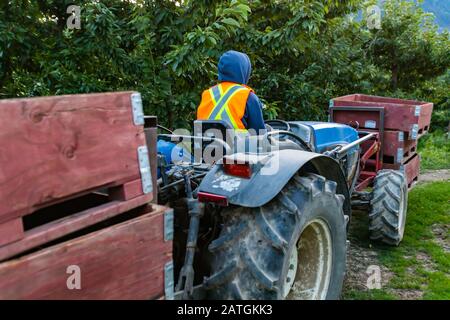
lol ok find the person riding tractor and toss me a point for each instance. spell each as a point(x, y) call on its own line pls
point(232, 100)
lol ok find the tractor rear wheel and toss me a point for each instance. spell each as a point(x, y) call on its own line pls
point(388, 207)
point(294, 247)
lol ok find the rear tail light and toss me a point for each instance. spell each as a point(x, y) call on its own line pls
point(214, 198)
point(242, 170)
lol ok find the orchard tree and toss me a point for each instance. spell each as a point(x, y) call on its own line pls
point(303, 52)
point(408, 46)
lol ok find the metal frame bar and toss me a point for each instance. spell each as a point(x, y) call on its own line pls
point(342, 151)
point(366, 177)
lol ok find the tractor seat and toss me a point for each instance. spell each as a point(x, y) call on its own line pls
point(247, 143)
point(217, 129)
point(258, 144)
point(276, 144)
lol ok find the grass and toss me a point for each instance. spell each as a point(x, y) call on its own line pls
point(434, 149)
point(421, 263)
point(369, 295)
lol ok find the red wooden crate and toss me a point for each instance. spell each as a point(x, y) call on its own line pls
point(410, 116)
point(57, 148)
point(396, 149)
point(127, 260)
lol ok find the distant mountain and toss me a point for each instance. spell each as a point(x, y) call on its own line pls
point(441, 9)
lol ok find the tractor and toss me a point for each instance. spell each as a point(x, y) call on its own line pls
point(266, 216)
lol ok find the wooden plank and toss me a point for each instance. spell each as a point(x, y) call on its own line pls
point(58, 228)
point(124, 261)
point(55, 147)
point(412, 169)
point(378, 99)
point(126, 191)
point(11, 231)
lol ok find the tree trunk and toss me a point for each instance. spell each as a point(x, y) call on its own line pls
point(394, 78)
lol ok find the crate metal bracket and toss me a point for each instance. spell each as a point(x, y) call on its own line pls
point(138, 111)
point(144, 168)
point(417, 111)
point(414, 132)
point(168, 281)
point(399, 155)
point(168, 225)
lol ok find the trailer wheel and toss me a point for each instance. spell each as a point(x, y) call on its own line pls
point(294, 247)
point(388, 207)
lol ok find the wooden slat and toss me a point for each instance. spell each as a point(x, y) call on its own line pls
point(11, 231)
point(55, 147)
point(124, 261)
point(378, 99)
point(127, 191)
point(56, 229)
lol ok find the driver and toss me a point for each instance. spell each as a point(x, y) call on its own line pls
point(232, 100)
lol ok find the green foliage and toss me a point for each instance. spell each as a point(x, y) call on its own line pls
point(434, 150)
point(303, 52)
point(374, 294)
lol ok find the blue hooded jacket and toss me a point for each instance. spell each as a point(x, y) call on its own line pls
point(236, 67)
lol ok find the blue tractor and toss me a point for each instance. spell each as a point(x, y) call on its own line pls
point(266, 217)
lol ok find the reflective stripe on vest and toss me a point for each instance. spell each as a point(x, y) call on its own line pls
point(220, 110)
point(216, 93)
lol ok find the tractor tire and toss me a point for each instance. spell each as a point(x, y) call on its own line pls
point(294, 247)
point(388, 207)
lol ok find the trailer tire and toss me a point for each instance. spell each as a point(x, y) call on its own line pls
point(263, 253)
point(388, 207)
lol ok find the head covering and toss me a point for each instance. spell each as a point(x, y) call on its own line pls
point(234, 67)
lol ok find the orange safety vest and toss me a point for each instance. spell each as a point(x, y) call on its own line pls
point(225, 101)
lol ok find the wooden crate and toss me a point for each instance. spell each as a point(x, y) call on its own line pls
point(57, 148)
point(396, 149)
point(126, 260)
point(410, 116)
